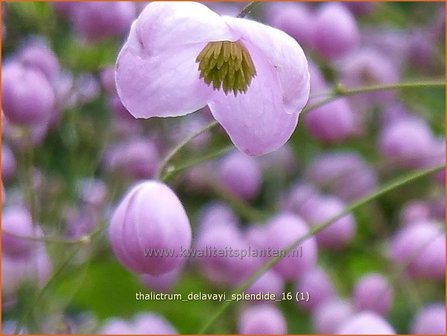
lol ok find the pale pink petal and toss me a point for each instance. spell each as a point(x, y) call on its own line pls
point(284, 54)
point(256, 121)
point(264, 118)
point(156, 70)
point(166, 25)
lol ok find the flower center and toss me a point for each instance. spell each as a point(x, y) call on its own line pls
point(227, 65)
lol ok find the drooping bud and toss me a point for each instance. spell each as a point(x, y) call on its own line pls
point(149, 229)
point(226, 65)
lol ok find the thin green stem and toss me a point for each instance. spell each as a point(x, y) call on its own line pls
point(247, 9)
point(53, 240)
point(85, 239)
point(42, 291)
point(56, 275)
point(399, 182)
point(399, 271)
point(378, 87)
point(340, 91)
point(165, 164)
point(166, 170)
point(27, 182)
point(195, 162)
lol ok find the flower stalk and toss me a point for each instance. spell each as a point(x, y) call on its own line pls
point(166, 170)
point(395, 184)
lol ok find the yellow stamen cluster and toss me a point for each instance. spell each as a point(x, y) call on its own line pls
point(226, 65)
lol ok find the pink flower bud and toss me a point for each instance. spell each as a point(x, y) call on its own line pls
point(113, 326)
point(332, 122)
point(415, 211)
point(407, 143)
point(218, 261)
point(295, 19)
point(262, 319)
point(335, 171)
point(153, 324)
point(16, 221)
point(136, 158)
point(339, 232)
point(318, 285)
point(37, 54)
point(421, 248)
point(27, 96)
point(150, 219)
point(284, 229)
point(216, 214)
point(93, 192)
point(300, 199)
point(328, 316)
point(335, 31)
point(241, 175)
point(269, 282)
point(34, 270)
point(368, 66)
point(373, 292)
point(81, 221)
point(8, 163)
point(95, 21)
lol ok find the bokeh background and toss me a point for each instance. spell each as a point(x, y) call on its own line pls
point(81, 163)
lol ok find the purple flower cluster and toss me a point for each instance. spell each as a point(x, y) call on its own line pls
point(302, 113)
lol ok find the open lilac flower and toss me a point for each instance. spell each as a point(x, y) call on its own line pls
point(180, 57)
